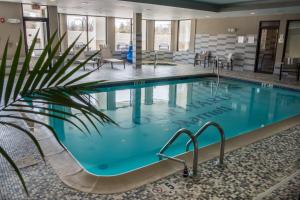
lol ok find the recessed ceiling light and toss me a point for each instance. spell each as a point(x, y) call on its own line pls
point(84, 3)
point(252, 13)
point(207, 16)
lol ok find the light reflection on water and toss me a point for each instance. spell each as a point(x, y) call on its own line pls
point(148, 115)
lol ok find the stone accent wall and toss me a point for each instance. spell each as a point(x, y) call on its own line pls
point(223, 44)
point(185, 57)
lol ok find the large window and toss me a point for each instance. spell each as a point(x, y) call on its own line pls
point(162, 40)
point(144, 34)
point(96, 32)
point(123, 30)
point(184, 35)
point(293, 40)
point(77, 25)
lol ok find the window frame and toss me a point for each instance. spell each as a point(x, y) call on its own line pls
point(178, 31)
point(131, 30)
point(87, 21)
point(286, 37)
point(155, 34)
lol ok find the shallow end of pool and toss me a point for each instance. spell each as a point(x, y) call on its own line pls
point(73, 175)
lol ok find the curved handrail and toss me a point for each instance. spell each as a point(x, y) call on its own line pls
point(192, 139)
point(202, 129)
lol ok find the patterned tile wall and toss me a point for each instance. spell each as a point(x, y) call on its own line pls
point(223, 44)
point(184, 57)
point(219, 45)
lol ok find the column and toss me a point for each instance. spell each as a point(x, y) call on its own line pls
point(136, 105)
point(110, 33)
point(111, 100)
point(137, 40)
point(189, 96)
point(148, 95)
point(172, 95)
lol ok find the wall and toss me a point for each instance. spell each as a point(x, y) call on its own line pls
point(14, 11)
point(215, 32)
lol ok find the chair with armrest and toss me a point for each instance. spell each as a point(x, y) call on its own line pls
point(290, 65)
point(202, 57)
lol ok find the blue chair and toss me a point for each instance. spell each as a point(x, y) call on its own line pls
point(129, 54)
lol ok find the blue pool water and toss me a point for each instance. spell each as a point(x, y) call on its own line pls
point(149, 114)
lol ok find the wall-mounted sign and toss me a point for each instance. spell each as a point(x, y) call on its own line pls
point(250, 39)
point(35, 7)
point(2, 20)
point(241, 39)
point(281, 39)
point(13, 21)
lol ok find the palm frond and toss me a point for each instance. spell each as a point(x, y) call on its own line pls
point(13, 71)
point(51, 87)
point(12, 163)
point(26, 66)
point(2, 70)
point(29, 134)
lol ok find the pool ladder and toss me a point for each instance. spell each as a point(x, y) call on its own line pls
point(193, 139)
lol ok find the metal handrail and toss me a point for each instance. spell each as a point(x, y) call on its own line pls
point(202, 129)
point(192, 139)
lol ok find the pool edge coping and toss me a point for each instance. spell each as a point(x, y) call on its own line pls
point(73, 175)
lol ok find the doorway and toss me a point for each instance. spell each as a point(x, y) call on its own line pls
point(267, 45)
point(31, 27)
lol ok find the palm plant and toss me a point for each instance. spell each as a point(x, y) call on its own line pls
point(47, 84)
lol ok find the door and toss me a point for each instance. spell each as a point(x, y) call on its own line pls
point(31, 28)
point(267, 45)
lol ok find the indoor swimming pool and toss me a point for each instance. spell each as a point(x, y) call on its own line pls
point(149, 113)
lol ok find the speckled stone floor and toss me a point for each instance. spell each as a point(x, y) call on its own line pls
point(249, 171)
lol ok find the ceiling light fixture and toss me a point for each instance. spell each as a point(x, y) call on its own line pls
point(252, 13)
point(207, 16)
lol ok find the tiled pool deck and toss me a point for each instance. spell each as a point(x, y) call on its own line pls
point(268, 169)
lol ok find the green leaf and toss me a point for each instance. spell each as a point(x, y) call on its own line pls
point(13, 71)
point(38, 64)
point(64, 68)
point(29, 134)
point(2, 70)
point(45, 114)
point(46, 64)
point(35, 121)
point(12, 163)
point(79, 78)
point(25, 68)
point(54, 111)
point(58, 63)
point(75, 70)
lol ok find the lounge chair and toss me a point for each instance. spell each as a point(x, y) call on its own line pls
point(107, 57)
point(94, 61)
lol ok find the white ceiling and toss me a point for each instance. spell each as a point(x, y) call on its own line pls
point(118, 8)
